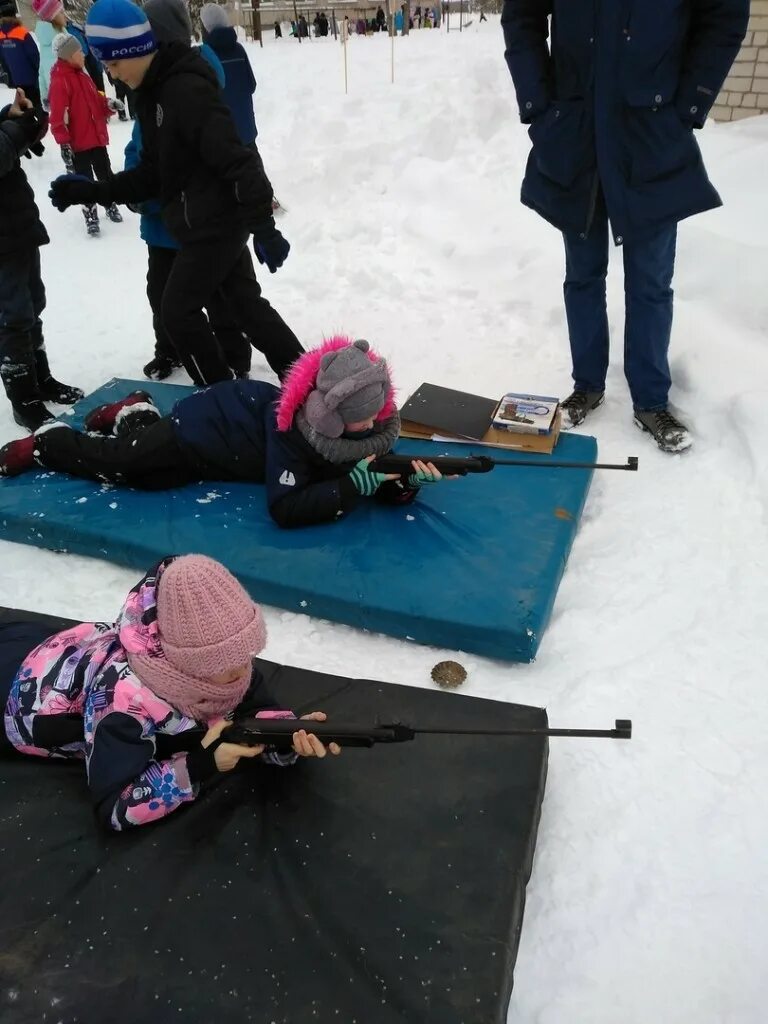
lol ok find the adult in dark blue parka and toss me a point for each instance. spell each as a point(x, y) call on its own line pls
point(612, 90)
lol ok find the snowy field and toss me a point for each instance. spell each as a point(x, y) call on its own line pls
point(648, 899)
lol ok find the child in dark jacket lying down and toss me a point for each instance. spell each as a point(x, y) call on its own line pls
point(310, 441)
point(144, 701)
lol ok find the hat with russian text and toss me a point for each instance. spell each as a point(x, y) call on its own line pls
point(118, 30)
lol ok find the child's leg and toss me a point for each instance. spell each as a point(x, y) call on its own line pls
point(82, 163)
point(196, 276)
point(259, 321)
point(50, 389)
point(234, 344)
point(148, 458)
point(159, 265)
point(18, 319)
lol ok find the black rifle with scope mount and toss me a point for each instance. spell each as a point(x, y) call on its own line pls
point(278, 733)
point(460, 465)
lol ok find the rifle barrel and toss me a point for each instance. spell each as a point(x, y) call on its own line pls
point(622, 731)
point(631, 464)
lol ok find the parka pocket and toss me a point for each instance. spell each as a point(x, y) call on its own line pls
point(659, 143)
point(562, 140)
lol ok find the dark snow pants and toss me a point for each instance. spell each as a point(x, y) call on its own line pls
point(649, 266)
point(199, 272)
point(148, 458)
point(234, 344)
point(22, 300)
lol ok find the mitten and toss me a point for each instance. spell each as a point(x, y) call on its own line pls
point(366, 482)
point(271, 248)
point(74, 190)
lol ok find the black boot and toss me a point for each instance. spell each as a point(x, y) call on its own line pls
point(160, 367)
point(20, 381)
point(91, 214)
point(50, 389)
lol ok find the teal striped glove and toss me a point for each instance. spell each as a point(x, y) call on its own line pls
point(421, 478)
point(366, 483)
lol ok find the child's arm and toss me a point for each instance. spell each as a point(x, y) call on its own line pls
point(295, 497)
point(33, 54)
point(260, 702)
point(58, 101)
point(128, 784)
point(249, 66)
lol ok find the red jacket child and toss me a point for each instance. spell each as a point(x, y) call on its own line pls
point(78, 112)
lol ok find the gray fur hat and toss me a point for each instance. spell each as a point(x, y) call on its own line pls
point(349, 389)
point(170, 21)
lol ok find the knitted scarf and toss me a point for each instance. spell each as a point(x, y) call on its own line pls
point(196, 698)
point(346, 449)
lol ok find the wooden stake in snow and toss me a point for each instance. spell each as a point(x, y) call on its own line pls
point(344, 48)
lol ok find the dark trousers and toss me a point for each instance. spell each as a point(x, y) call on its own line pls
point(200, 271)
point(22, 300)
point(126, 95)
point(649, 265)
point(93, 163)
point(235, 346)
point(148, 457)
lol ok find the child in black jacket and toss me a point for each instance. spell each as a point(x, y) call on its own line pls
point(309, 442)
point(24, 368)
point(213, 191)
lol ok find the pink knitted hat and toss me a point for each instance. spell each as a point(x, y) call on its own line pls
point(46, 10)
point(207, 622)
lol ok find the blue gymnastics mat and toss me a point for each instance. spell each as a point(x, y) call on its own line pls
point(472, 565)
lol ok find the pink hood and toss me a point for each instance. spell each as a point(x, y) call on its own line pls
point(303, 374)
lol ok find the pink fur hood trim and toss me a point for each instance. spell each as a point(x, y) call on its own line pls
point(303, 374)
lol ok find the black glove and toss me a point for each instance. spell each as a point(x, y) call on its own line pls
point(74, 190)
point(68, 157)
point(270, 248)
point(38, 149)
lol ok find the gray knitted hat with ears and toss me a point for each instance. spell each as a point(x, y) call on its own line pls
point(349, 389)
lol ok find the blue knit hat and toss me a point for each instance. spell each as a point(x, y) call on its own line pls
point(118, 30)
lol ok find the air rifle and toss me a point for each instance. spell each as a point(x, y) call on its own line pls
point(460, 465)
point(278, 732)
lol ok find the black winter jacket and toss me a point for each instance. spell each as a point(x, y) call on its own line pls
point(229, 432)
point(208, 183)
point(20, 224)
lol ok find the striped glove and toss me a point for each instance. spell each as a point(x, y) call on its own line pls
point(366, 483)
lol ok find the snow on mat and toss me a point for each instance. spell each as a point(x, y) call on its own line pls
point(472, 565)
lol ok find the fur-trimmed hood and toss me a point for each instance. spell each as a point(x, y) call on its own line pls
point(302, 376)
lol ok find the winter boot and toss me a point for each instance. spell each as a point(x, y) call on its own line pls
point(18, 457)
point(667, 431)
point(50, 389)
point(578, 405)
point(91, 215)
point(20, 382)
point(161, 367)
point(101, 420)
point(114, 214)
point(135, 417)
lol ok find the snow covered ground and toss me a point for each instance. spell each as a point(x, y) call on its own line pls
point(649, 892)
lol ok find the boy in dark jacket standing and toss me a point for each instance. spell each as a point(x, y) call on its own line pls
point(239, 80)
point(213, 190)
point(24, 366)
point(612, 93)
point(19, 54)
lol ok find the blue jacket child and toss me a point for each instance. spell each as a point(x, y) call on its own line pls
point(19, 54)
point(240, 83)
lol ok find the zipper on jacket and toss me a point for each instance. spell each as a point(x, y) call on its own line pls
point(628, 23)
point(186, 214)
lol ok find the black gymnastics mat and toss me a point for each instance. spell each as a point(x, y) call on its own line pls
point(383, 887)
